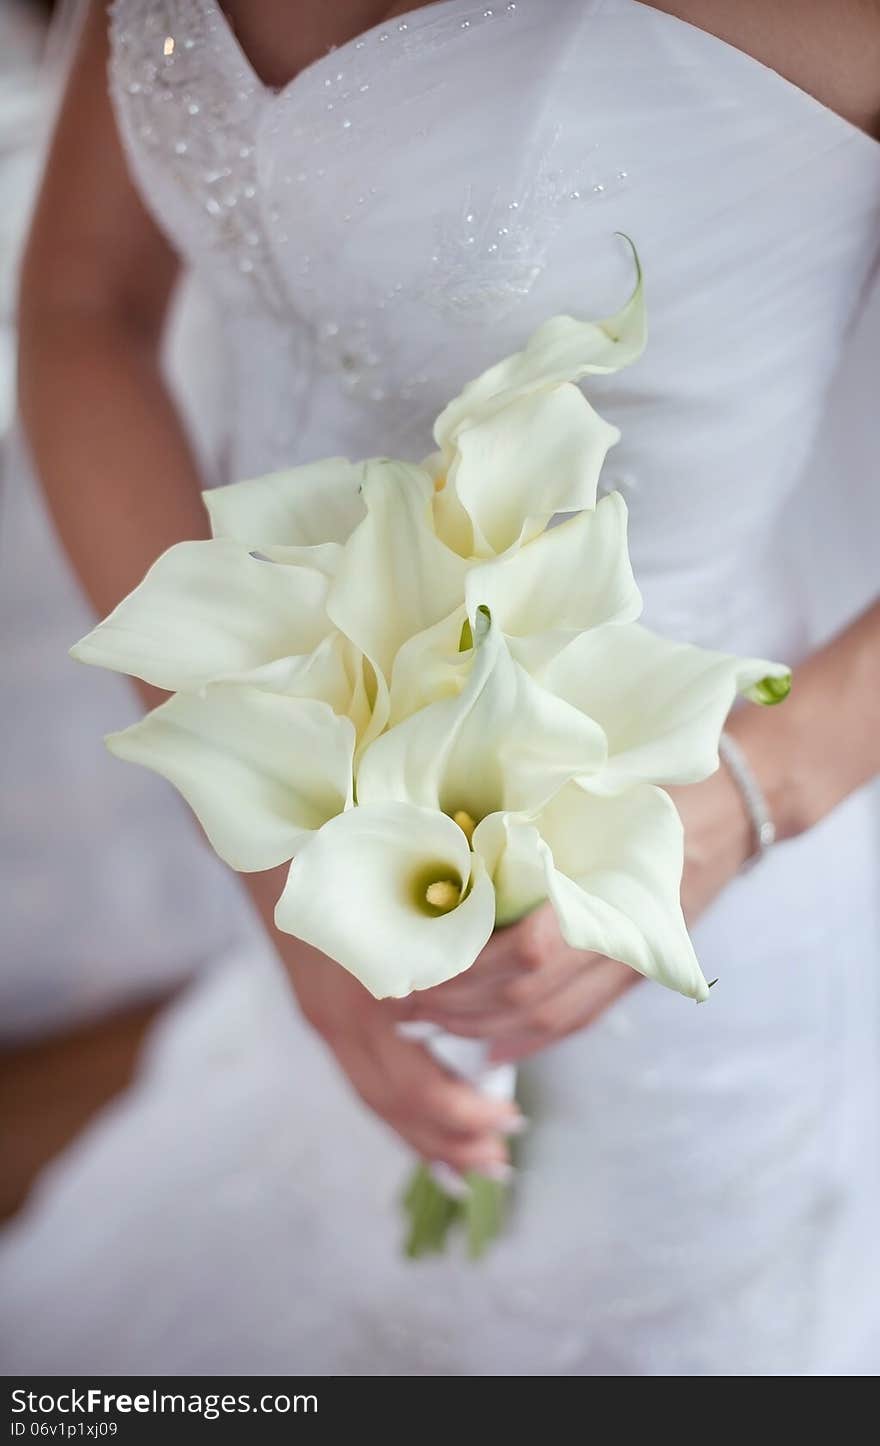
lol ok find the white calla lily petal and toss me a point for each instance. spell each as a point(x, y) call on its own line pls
point(323, 557)
point(334, 673)
point(259, 770)
point(430, 666)
point(207, 609)
point(615, 881)
point(612, 871)
point(358, 890)
point(299, 507)
point(510, 847)
point(540, 455)
point(662, 704)
point(451, 522)
point(562, 350)
point(327, 674)
point(503, 743)
point(396, 577)
point(369, 704)
point(573, 577)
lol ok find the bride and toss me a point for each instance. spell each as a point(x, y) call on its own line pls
point(382, 200)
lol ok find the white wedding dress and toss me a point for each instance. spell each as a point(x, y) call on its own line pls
point(697, 1191)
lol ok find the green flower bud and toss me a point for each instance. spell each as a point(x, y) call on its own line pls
point(770, 690)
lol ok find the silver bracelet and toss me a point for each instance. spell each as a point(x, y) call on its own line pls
point(763, 827)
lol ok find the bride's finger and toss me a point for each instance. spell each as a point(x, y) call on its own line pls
point(466, 993)
point(426, 1136)
point(506, 1004)
point(526, 948)
point(441, 1118)
point(488, 1154)
point(418, 1087)
point(566, 1011)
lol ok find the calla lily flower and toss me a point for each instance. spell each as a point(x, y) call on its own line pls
point(513, 470)
point(395, 578)
point(432, 665)
point(299, 507)
point(521, 443)
point(393, 893)
point(611, 868)
point(222, 611)
point(573, 577)
point(561, 350)
point(500, 762)
point(336, 672)
point(206, 610)
point(261, 771)
point(504, 743)
point(661, 704)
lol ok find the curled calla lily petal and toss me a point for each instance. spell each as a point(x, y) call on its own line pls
point(562, 350)
point(396, 577)
point(260, 771)
point(661, 704)
point(503, 743)
point(361, 890)
point(573, 577)
point(512, 471)
point(207, 609)
point(612, 871)
point(299, 507)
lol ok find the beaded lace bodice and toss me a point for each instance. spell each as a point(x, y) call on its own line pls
point(235, 173)
point(414, 203)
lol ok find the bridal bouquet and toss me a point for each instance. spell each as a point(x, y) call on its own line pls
point(438, 705)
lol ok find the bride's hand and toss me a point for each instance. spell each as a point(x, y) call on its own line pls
point(442, 1118)
point(529, 989)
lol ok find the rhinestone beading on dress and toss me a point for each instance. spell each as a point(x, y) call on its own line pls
point(280, 197)
point(188, 96)
point(202, 136)
point(333, 110)
point(489, 255)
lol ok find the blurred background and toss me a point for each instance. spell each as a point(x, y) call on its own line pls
point(101, 924)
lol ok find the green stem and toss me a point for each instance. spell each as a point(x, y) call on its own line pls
point(433, 1215)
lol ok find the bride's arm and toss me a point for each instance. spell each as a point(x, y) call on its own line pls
point(825, 742)
point(118, 474)
point(122, 485)
point(529, 989)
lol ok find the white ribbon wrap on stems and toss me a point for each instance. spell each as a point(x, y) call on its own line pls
point(469, 1059)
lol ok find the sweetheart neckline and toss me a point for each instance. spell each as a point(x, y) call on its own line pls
point(408, 21)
